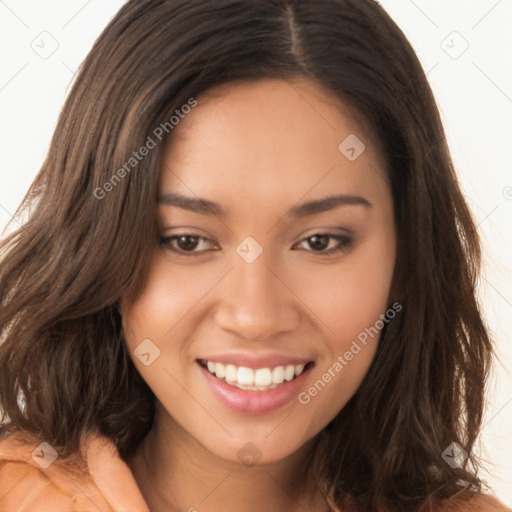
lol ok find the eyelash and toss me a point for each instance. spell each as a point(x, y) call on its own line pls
point(344, 243)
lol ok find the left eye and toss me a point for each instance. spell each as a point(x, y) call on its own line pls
point(320, 243)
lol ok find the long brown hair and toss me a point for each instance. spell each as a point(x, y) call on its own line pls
point(64, 368)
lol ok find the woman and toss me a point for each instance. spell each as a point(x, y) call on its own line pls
point(247, 281)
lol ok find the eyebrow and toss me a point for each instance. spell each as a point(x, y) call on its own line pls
point(206, 207)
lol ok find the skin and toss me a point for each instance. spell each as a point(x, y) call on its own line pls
point(257, 149)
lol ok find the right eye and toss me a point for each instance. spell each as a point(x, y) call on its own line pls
point(184, 245)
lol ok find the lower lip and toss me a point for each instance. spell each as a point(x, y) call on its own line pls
point(253, 402)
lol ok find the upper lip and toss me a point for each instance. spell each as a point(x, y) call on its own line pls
point(256, 361)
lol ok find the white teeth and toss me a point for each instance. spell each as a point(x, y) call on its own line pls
point(260, 379)
point(263, 377)
point(231, 372)
point(289, 372)
point(278, 374)
point(245, 376)
point(220, 370)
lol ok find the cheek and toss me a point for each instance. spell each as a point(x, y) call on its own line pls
point(152, 322)
point(350, 296)
point(350, 301)
point(352, 320)
point(170, 295)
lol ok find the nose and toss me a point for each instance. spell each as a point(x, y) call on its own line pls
point(256, 303)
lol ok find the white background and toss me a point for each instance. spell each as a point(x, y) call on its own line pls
point(473, 86)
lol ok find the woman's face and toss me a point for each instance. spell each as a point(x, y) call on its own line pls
point(258, 276)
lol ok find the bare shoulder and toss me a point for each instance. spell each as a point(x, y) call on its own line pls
point(478, 503)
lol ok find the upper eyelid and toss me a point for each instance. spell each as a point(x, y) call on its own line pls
point(330, 234)
point(334, 231)
point(169, 237)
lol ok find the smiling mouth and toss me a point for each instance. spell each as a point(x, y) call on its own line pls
point(254, 379)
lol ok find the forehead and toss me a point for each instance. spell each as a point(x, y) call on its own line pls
point(270, 138)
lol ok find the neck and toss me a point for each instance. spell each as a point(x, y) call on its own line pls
point(175, 473)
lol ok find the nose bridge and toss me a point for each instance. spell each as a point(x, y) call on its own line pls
point(254, 303)
point(255, 280)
